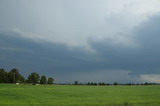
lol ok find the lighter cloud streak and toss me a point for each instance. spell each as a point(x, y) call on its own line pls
point(153, 78)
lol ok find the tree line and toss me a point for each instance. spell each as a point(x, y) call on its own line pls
point(115, 83)
point(14, 76)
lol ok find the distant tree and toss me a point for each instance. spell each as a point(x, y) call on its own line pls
point(34, 78)
point(92, 83)
point(76, 82)
point(95, 83)
point(108, 84)
point(146, 83)
point(10, 77)
point(14, 76)
point(43, 80)
point(103, 83)
point(21, 79)
point(115, 83)
point(3, 76)
point(88, 83)
point(50, 80)
point(129, 84)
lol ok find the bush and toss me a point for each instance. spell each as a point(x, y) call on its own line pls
point(115, 83)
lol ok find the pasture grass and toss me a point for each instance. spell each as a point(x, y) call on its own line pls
point(71, 95)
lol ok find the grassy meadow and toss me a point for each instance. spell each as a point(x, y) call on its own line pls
point(70, 95)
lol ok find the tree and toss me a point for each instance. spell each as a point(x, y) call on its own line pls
point(50, 80)
point(10, 77)
point(3, 76)
point(76, 82)
point(43, 80)
point(102, 83)
point(88, 83)
point(21, 79)
point(115, 83)
point(95, 83)
point(14, 76)
point(92, 83)
point(146, 83)
point(34, 78)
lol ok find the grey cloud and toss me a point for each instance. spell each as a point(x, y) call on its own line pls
point(120, 35)
point(43, 57)
point(140, 60)
point(59, 60)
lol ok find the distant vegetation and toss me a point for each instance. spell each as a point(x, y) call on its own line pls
point(14, 76)
point(115, 83)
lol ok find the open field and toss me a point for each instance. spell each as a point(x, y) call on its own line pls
point(70, 95)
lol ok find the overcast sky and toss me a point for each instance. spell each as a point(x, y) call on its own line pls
point(84, 40)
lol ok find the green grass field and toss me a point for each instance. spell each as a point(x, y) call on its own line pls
point(70, 95)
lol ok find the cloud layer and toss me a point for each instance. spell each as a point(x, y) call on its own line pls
point(105, 40)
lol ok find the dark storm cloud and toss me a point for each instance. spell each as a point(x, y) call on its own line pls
point(142, 59)
point(59, 60)
point(101, 40)
point(44, 57)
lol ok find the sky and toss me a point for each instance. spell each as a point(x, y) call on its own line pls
point(84, 40)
